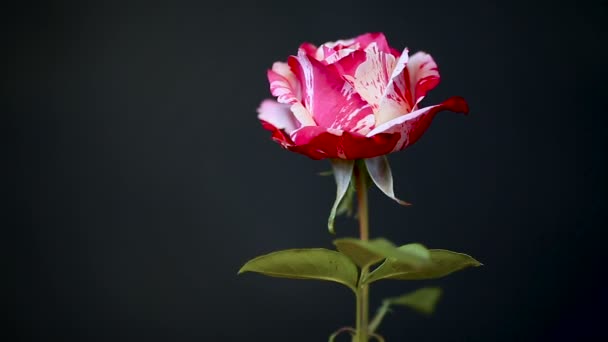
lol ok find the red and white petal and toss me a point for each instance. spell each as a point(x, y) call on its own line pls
point(372, 76)
point(306, 135)
point(366, 39)
point(311, 50)
point(335, 51)
point(423, 73)
point(411, 126)
point(319, 143)
point(397, 98)
point(332, 102)
point(286, 87)
point(278, 135)
point(338, 55)
point(329, 48)
point(348, 58)
point(347, 66)
point(283, 83)
point(302, 114)
point(355, 115)
point(279, 115)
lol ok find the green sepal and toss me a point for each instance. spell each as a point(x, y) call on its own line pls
point(347, 203)
point(343, 173)
point(312, 263)
point(366, 253)
point(443, 262)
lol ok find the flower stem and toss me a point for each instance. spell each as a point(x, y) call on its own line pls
point(362, 290)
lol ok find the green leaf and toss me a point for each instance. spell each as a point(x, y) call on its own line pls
point(443, 262)
point(313, 263)
point(422, 300)
point(366, 253)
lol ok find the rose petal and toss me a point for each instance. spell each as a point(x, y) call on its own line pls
point(310, 49)
point(319, 143)
point(411, 126)
point(286, 87)
point(372, 76)
point(397, 98)
point(380, 172)
point(424, 75)
point(283, 83)
point(366, 39)
point(333, 102)
point(334, 51)
point(347, 66)
point(338, 55)
point(278, 135)
point(278, 114)
point(343, 172)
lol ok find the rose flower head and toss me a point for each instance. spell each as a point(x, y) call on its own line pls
point(352, 99)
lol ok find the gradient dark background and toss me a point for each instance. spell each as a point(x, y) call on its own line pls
point(144, 180)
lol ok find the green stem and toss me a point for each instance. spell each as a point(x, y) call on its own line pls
point(375, 323)
point(362, 290)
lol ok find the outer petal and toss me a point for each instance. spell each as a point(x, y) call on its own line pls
point(283, 83)
point(278, 115)
point(285, 86)
point(411, 126)
point(332, 101)
point(278, 135)
point(319, 143)
point(423, 73)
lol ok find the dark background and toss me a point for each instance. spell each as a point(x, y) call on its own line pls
point(144, 180)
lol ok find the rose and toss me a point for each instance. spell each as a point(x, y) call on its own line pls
point(351, 99)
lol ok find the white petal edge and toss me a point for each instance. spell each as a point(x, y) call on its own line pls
point(390, 107)
point(421, 65)
point(343, 173)
point(389, 126)
point(380, 172)
point(372, 75)
point(277, 114)
point(302, 115)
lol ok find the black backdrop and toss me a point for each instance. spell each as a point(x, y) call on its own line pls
point(143, 179)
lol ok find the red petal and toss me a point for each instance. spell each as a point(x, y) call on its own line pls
point(318, 143)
